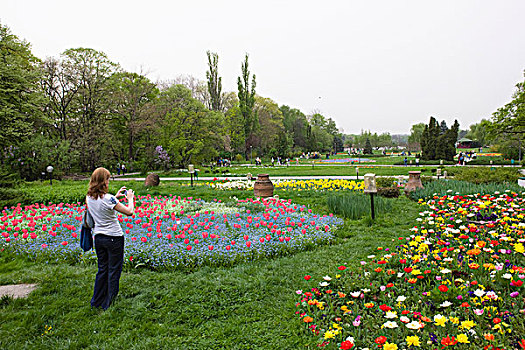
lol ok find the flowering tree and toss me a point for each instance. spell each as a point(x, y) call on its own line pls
point(161, 157)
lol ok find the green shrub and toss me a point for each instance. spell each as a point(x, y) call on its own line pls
point(386, 181)
point(487, 160)
point(59, 192)
point(388, 192)
point(239, 158)
point(485, 175)
point(356, 205)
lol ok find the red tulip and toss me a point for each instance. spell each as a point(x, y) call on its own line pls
point(443, 288)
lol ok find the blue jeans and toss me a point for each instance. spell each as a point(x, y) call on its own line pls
point(110, 254)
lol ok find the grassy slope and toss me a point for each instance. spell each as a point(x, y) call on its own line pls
point(248, 306)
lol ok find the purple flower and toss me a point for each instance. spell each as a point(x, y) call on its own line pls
point(514, 294)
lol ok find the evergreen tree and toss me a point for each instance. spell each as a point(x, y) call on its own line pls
point(429, 140)
point(368, 147)
point(438, 142)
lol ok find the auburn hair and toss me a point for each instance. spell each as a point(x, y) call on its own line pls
point(98, 183)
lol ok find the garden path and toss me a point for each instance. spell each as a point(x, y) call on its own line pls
point(17, 290)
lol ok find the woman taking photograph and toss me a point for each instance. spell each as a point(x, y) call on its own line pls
point(108, 235)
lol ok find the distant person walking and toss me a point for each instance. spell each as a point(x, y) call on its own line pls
point(123, 169)
point(108, 235)
point(417, 161)
point(405, 161)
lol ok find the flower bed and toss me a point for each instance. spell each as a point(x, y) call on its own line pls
point(456, 282)
point(173, 232)
point(321, 185)
point(296, 185)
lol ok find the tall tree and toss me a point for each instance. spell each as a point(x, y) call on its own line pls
point(368, 147)
point(20, 98)
point(60, 86)
point(93, 106)
point(270, 126)
point(295, 124)
point(235, 130)
point(133, 97)
point(414, 140)
point(246, 95)
point(510, 119)
point(214, 82)
point(479, 132)
point(439, 144)
point(508, 124)
point(429, 139)
point(187, 130)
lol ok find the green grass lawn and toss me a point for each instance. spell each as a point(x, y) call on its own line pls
point(248, 306)
point(316, 170)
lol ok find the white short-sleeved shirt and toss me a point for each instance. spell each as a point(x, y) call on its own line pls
point(102, 211)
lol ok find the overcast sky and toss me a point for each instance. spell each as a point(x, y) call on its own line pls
point(373, 65)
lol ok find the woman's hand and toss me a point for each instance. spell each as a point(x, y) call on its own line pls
point(130, 195)
point(120, 192)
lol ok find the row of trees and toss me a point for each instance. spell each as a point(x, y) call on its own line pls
point(376, 141)
point(81, 110)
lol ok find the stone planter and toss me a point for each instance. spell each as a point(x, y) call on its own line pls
point(414, 181)
point(152, 180)
point(521, 181)
point(263, 187)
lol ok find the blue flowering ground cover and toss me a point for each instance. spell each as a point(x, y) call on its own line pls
point(173, 232)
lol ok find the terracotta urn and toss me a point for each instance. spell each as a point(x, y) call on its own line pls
point(414, 181)
point(263, 187)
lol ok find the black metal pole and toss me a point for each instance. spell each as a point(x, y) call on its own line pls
point(50, 179)
point(372, 205)
point(191, 176)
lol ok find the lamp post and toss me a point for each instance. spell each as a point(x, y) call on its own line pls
point(191, 170)
point(49, 170)
point(251, 154)
point(357, 173)
point(371, 188)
